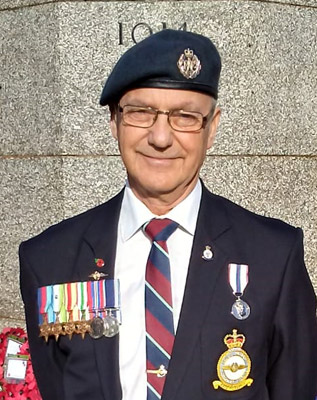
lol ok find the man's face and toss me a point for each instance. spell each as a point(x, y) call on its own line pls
point(163, 163)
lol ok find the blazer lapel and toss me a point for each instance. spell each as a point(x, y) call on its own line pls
point(100, 242)
point(213, 228)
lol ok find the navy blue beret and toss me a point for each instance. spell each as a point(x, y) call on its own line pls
point(168, 59)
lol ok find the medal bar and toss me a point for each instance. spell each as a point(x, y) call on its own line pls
point(91, 307)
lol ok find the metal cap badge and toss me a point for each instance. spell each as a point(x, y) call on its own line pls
point(189, 64)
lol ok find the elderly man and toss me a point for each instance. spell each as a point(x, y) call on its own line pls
point(168, 291)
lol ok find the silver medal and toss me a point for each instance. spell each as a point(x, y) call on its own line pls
point(240, 309)
point(96, 328)
point(111, 326)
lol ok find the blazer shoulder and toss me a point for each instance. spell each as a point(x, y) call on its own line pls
point(72, 229)
point(254, 224)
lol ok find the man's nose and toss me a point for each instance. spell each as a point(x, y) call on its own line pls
point(161, 133)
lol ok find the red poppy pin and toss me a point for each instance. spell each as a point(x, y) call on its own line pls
point(99, 262)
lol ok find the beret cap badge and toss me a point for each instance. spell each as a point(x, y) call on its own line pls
point(189, 64)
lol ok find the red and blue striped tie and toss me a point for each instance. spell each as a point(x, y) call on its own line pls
point(158, 304)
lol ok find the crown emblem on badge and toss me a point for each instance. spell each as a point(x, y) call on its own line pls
point(234, 340)
point(189, 64)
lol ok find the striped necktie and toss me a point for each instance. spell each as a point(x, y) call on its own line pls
point(158, 306)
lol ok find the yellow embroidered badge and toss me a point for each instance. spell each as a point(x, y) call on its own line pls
point(234, 365)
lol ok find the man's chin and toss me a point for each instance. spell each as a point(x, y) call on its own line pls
point(164, 190)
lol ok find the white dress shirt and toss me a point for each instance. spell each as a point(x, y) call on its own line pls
point(133, 248)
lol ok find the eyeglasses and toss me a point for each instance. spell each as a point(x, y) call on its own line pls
point(179, 120)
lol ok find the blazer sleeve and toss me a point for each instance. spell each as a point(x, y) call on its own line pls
point(47, 358)
point(292, 363)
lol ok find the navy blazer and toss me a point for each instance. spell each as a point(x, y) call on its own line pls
point(281, 333)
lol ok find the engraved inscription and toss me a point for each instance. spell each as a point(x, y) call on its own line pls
point(140, 31)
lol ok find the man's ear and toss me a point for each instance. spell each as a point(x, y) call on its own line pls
point(114, 127)
point(212, 129)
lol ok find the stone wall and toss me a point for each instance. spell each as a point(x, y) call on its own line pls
point(57, 157)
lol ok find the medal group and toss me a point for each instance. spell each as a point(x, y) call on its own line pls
point(234, 365)
point(91, 307)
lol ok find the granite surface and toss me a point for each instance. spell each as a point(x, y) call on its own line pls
point(29, 80)
point(57, 157)
point(32, 200)
point(57, 57)
point(12, 4)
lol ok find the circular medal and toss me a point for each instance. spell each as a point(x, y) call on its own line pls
point(240, 309)
point(96, 328)
point(111, 326)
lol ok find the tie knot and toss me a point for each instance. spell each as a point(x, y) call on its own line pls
point(160, 229)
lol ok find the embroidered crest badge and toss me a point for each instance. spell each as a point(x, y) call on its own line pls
point(189, 64)
point(234, 365)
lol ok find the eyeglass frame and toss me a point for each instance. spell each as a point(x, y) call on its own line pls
point(204, 120)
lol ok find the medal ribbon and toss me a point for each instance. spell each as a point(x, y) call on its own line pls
point(90, 298)
point(117, 298)
point(113, 298)
point(41, 301)
point(56, 301)
point(112, 293)
point(74, 295)
point(84, 300)
point(102, 295)
point(96, 297)
point(49, 304)
point(62, 311)
point(80, 298)
point(68, 301)
point(238, 278)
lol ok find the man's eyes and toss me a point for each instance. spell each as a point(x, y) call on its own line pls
point(141, 111)
point(183, 115)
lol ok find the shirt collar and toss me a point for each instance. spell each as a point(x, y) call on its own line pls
point(134, 214)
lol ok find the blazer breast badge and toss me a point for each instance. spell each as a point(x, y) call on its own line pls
point(234, 365)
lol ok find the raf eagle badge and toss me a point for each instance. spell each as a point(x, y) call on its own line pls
point(234, 365)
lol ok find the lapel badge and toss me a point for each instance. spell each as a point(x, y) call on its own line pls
point(189, 64)
point(207, 253)
point(97, 275)
point(99, 262)
point(234, 365)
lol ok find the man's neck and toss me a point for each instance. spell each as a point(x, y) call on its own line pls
point(162, 203)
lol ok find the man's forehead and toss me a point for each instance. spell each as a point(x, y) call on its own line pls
point(168, 59)
point(155, 97)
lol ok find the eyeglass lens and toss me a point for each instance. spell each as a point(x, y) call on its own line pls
point(145, 117)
